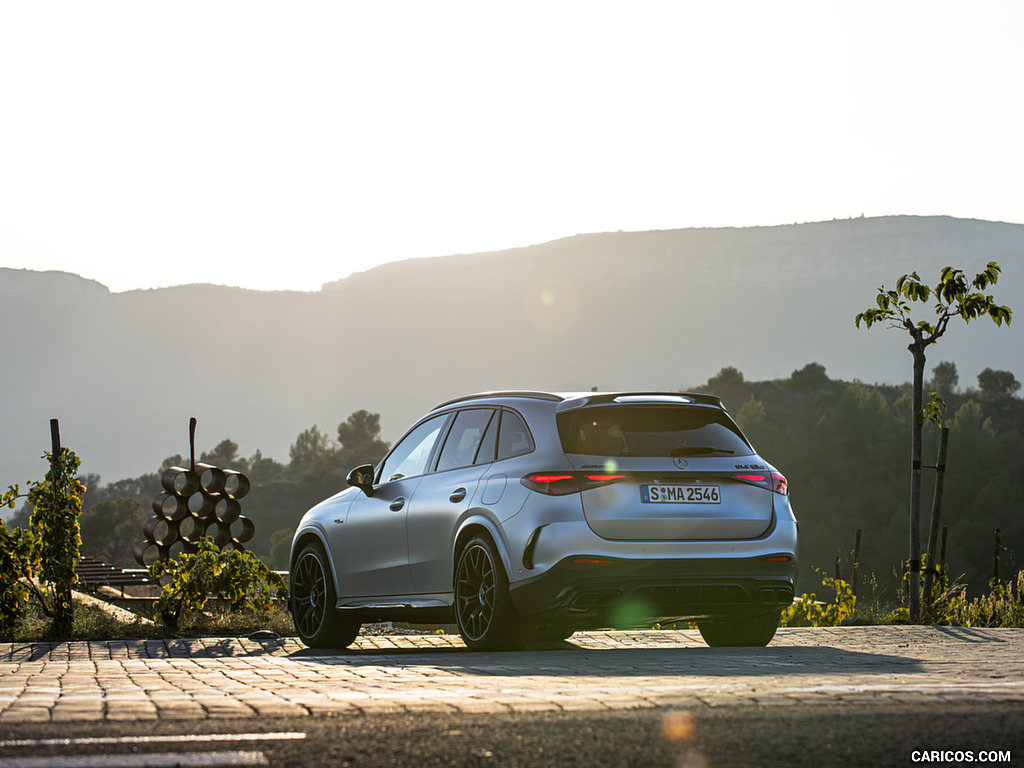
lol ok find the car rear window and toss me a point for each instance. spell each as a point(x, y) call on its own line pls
point(650, 431)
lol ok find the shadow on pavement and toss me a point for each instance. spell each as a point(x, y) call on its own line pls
point(553, 659)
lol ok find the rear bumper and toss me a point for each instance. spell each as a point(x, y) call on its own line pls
point(587, 592)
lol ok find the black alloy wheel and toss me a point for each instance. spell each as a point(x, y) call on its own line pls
point(483, 609)
point(313, 598)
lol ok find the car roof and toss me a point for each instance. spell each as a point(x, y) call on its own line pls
point(573, 400)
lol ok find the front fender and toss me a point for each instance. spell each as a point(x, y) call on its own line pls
point(303, 535)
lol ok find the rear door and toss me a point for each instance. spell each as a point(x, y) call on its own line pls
point(671, 472)
point(445, 495)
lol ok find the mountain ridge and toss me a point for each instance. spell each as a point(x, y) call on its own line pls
point(664, 309)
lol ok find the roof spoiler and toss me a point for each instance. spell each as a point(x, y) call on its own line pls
point(650, 398)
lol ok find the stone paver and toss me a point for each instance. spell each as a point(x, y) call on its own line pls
point(219, 678)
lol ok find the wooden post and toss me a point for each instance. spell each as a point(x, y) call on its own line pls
point(192, 443)
point(942, 554)
point(995, 557)
point(856, 561)
point(940, 481)
point(64, 608)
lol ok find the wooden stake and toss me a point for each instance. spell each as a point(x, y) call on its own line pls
point(856, 561)
point(940, 481)
point(192, 443)
point(995, 557)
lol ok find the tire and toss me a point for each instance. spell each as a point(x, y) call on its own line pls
point(740, 631)
point(484, 612)
point(313, 598)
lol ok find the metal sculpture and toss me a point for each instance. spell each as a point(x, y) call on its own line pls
point(202, 500)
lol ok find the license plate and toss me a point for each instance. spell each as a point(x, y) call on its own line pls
point(680, 494)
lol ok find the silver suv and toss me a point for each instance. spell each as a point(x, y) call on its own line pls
point(525, 515)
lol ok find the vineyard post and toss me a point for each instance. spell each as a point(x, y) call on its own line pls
point(995, 557)
point(856, 561)
point(933, 534)
point(63, 604)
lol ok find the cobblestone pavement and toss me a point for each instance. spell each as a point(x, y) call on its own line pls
point(212, 678)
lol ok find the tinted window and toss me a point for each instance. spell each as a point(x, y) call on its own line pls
point(650, 431)
point(410, 456)
point(463, 441)
point(514, 438)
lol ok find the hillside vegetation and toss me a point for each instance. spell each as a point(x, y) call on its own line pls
point(844, 446)
point(845, 449)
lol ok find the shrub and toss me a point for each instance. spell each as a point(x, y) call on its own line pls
point(40, 561)
point(808, 611)
point(56, 505)
point(237, 577)
point(1002, 607)
point(16, 558)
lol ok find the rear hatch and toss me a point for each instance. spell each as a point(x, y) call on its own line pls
point(666, 469)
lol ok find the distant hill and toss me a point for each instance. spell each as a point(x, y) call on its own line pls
point(625, 310)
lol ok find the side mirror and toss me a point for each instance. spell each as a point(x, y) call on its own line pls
point(362, 478)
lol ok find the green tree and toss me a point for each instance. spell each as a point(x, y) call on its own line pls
point(359, 437)
point(321, 465)
point(729, 379)
point(225, 456)
point(945, 379)
point(811, 376)
point(954, 297)
point(997, 385)
point(309, 450)
point(263, 469)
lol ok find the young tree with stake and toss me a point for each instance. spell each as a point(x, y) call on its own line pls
point(954, 297)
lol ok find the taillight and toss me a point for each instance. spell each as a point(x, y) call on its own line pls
point(564, 483)
point(773, 480)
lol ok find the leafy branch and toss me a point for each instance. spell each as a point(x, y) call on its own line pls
point(955, 297)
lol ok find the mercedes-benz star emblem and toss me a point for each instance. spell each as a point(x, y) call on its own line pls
point(681, 463)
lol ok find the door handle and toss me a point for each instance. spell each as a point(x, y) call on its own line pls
point(397, 504)
point(457, 495)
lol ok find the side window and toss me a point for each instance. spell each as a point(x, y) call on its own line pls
point(410, 456)
point(463, 441)
point(514, 437)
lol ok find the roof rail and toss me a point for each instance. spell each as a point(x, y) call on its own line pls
point(499, 393)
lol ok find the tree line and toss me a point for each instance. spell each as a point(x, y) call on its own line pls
point(845, 449)
point(843, 446)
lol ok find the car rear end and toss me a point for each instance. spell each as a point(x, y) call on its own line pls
point(658, 510)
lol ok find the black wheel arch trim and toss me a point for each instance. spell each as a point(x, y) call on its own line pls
point(299, 541)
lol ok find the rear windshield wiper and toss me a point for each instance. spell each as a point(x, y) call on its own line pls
point(693, 450)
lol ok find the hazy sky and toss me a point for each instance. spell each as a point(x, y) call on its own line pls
point(283, 145)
